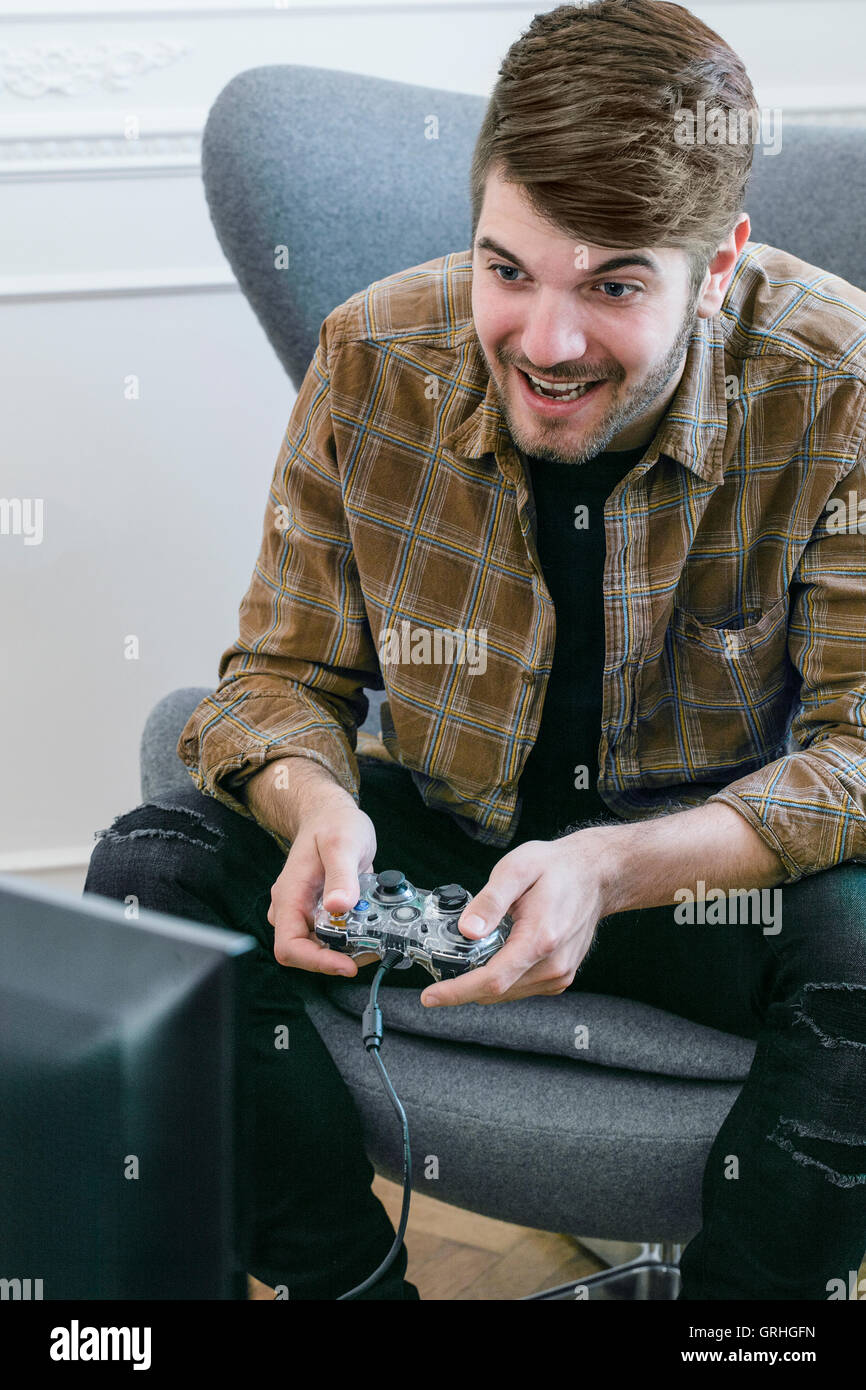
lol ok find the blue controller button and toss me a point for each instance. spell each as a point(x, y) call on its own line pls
point(361, 905)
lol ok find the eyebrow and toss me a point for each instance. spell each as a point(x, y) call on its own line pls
point(486, 243)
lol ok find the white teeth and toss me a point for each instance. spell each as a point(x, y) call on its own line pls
point(554, 385)
point(564, 391)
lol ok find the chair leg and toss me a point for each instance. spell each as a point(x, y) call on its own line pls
point(652, 1275)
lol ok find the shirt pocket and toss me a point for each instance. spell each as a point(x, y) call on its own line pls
point(736, 684)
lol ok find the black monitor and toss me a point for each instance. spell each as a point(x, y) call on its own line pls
point(123, 1110)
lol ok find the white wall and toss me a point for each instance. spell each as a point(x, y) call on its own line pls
point(109, 267)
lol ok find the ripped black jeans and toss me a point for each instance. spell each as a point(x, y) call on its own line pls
point(784, 1188)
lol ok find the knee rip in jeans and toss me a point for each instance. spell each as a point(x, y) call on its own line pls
point(173, 823)
point(820, 1013)
point(832, 1143)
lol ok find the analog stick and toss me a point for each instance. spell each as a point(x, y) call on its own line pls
point(391, 882)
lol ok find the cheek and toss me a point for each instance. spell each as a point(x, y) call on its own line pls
point(646, 343)
point(498, 319)
point(635, 352)
point(492, 321)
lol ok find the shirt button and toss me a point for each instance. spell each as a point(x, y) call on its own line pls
point(527, 677)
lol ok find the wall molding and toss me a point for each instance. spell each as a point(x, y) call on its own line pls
point(102, 284)
point(101, 143)
point(73, 156)
point(215, 9)
point(23, 861)
point(69, 69)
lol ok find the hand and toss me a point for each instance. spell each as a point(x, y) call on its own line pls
point(331, 847)
point(553, 890)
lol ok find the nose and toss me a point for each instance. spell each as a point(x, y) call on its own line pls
point(552, 336)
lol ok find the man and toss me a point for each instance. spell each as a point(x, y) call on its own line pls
point(606, 450)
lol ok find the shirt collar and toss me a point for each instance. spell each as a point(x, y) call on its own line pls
point(692, 430)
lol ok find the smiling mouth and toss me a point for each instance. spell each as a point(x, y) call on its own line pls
point(558, 391)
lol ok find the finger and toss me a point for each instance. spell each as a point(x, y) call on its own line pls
point(293, 900)
point(532, 940)
point(510, 878)
point(547, 962)
point(491, 982)
point(341, 857)
point(552, 975)
point(293, 906)
point(314, 955)
point(307, 953)
point(290, 913)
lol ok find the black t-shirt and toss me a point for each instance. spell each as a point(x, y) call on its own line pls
point(557, 786)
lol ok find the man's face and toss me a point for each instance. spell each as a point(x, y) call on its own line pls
point(542, 303)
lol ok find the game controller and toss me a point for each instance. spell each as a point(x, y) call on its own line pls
point(392, 915)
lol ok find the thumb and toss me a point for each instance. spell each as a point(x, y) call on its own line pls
point(484, 913)
point(341, 890)
point(508, 881)
point(341, 859)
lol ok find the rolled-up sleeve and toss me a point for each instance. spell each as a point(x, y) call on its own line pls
point(291, 685)
point(810, 805)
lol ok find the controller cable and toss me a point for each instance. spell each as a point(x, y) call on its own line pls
point(371, 1033)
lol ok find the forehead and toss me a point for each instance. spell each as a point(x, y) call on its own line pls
point(508, 220)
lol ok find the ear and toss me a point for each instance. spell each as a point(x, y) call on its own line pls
point(721, 268)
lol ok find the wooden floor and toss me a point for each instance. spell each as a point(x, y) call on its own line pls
point(455, 1254)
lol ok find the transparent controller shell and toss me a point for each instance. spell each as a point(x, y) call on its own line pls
point(421, 923)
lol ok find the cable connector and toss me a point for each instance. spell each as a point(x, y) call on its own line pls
point(371, 1026)
point(371, 1019)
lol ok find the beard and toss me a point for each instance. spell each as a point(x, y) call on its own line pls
point(620, 414)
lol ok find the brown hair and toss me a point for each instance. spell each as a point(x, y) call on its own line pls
point(583, 118)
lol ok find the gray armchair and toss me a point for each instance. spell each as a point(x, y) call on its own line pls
point(606, 1144)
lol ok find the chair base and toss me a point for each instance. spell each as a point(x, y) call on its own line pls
point(652, 1275)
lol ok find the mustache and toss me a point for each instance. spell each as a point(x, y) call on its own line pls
point(579, 374)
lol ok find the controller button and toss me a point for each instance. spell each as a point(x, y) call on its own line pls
point(453, 930)
point(405, 914)
point(373, 917)
point(391, 881)
point(450, 897)
point(338, 919)
point(361, 905)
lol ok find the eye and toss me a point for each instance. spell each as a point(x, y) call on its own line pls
point(617, 285)
point(619, 290)
point(500, 266)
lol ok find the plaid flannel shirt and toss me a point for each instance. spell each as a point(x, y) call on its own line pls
point(734, 582)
